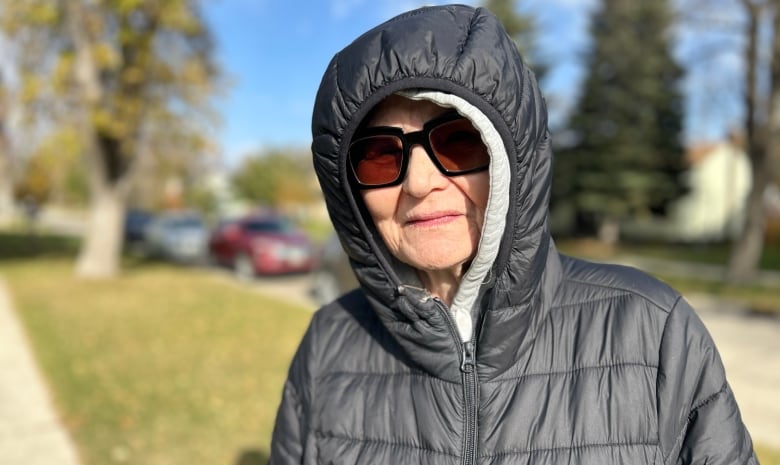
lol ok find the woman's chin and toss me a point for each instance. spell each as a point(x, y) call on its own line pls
point(435, 257)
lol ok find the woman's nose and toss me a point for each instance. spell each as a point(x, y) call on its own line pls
point(422, 176)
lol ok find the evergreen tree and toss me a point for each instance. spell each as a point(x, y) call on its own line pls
point(626, 154)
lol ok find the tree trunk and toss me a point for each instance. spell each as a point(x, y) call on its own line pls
point(6, 163)
point(102, 244)
point(747, 250)
point(6, 182)
point(609, 231)
point(99, 256)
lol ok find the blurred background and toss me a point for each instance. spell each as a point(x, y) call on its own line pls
point(163, 240)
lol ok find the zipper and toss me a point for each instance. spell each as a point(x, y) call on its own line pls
point(471, 400)
point(468, 369)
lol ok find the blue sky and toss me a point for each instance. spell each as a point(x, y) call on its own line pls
point(275, 52)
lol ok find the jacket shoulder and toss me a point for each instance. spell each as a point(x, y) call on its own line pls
point(347, 335)
point(343, 321)
point(584, 280)
point(350, 307)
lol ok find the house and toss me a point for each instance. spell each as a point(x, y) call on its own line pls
point(719, 180)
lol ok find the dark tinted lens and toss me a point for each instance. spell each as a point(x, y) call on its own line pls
point(458, 146)
point(376, 160)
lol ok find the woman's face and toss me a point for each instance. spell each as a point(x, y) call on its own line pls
point(429, 221)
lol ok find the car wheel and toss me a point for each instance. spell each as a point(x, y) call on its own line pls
point(325, 287)
point(243, 267)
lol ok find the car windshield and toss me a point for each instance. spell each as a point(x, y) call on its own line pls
point(268, 226)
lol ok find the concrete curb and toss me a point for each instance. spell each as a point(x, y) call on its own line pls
point(30, 431)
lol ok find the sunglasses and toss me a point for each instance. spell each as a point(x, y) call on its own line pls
point(379, 156)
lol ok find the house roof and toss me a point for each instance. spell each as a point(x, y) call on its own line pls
point(695, 153)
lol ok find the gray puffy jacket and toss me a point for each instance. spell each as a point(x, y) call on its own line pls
point(556, 361)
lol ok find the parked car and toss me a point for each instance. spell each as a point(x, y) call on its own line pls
point(136, 222)
point(262, 244)
point(333, 275)
point(176, 236)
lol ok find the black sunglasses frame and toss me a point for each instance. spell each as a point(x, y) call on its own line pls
point(409, 140)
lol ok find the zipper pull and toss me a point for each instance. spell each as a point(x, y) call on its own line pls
point(468, 364)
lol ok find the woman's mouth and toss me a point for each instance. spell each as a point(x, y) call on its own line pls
point(433, 219)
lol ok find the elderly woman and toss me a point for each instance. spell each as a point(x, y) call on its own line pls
point(471, 339)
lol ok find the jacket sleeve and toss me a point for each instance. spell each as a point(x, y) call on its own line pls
point(699, 420)
point(291, 430)
point(289, 433)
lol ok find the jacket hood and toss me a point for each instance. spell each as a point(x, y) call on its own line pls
point(433, 53)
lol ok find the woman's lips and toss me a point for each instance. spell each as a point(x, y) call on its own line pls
point(433, 219)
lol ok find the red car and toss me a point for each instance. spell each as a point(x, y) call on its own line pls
point(262, 245)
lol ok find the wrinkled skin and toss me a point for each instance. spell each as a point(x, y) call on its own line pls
point(430, 221)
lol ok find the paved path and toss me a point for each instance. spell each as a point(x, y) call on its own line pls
point(30, 432)
point(750, 349)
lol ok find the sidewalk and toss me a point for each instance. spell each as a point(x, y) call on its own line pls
point(750, 349)
point(30, 432)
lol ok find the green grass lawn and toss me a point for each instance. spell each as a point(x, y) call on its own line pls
point(710, 254)
point(767, 456)
point(165, 365)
